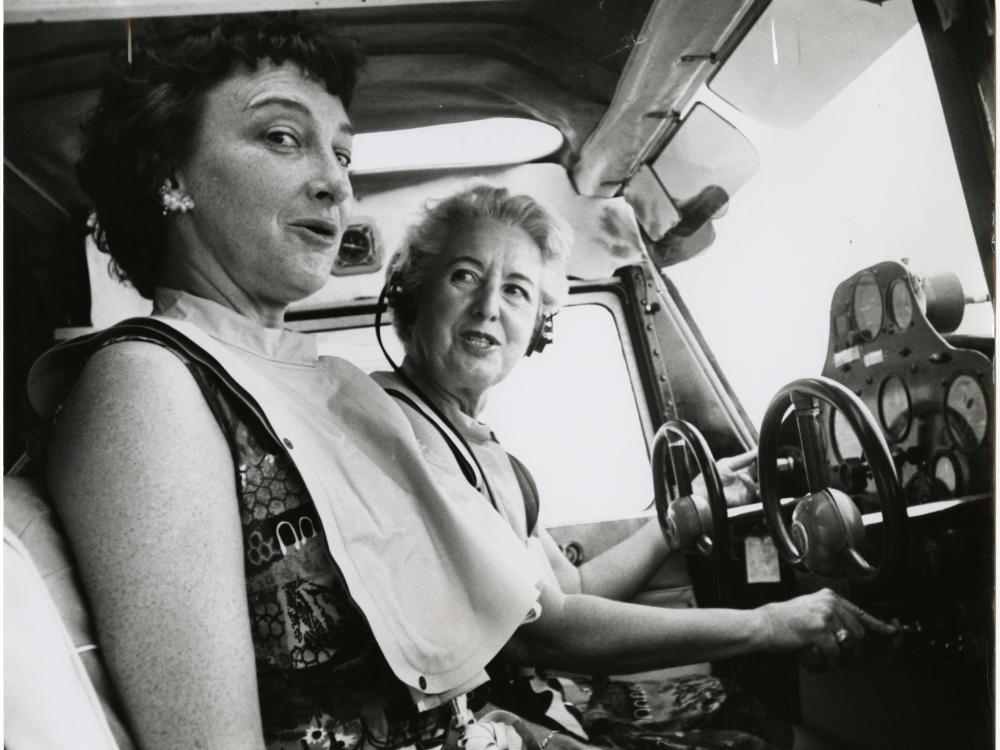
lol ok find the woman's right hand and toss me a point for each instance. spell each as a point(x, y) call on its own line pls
point(823, 621)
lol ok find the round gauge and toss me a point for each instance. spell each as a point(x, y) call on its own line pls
point(966, 413)
point(845, 443)
point(867, 306)
point(901, 303)
point(894, 407)
point(947, 475)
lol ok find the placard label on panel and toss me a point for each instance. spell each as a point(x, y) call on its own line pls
point(873, 358)
point(762, 560)
point(846, 356)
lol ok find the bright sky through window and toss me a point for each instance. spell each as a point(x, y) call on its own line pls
point(499, 140)
point(871, 177)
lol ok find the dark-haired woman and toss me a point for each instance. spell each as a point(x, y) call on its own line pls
point(245, 513)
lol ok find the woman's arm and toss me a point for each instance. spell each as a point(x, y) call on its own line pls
point(617, 573)
point(143, 480)
point(591, 634)
point(620, 571)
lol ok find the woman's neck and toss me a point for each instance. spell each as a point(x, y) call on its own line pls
point(221, 290)
point(470, 404)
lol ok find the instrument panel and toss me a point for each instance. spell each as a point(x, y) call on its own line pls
point(932, 400)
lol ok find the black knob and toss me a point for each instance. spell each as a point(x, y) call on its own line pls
point(854, 475)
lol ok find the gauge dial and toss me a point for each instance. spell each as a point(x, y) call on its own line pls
point(947, 476)
point(901, 303)
point(894, 407)
point(966, 413)
point(867, 306)
point(845, 443)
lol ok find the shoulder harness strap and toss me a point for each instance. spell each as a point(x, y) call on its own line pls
point(529, 492)
point(463, 462)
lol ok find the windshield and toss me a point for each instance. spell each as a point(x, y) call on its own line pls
point(798, 56)
point(870, 177)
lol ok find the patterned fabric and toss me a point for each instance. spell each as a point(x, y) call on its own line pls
point(322, 680)
point(694, 711)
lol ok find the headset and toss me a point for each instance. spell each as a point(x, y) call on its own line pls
point(542, 335)
point(393, 296)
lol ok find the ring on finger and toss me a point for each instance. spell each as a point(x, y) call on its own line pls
point(841, 635)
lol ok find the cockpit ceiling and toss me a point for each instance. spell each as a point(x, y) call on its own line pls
point(43, 113)
point(557, 61)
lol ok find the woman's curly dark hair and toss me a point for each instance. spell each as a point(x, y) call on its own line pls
point(149, 111)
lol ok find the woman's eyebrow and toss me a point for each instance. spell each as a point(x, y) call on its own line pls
point(466, 259)
point(518, 276)
point(282, 100)
point(279, 100)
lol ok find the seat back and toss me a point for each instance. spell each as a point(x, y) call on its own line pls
point(56, 691)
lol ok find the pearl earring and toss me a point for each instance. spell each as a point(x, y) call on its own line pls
point(173, 200)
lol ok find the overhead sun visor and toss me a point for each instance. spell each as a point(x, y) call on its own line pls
point(705, 151)
point(679, 47)
point(704, 164)
point(653, 208)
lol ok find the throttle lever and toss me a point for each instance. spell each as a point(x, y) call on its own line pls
point(812, 659)
point(907, 634)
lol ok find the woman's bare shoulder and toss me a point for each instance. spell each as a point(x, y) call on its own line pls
point(137, 380)
point(135, 411)
point(140, 366)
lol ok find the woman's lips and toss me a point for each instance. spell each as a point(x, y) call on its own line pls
point(479, 339)
point(321, 231)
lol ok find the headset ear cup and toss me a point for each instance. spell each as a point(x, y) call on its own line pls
point(541, 336)
point(399, 301)
point(392, 288)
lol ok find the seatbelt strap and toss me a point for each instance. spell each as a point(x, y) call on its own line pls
point(529, 492)
point(463, 463)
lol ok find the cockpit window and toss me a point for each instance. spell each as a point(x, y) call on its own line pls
point(870, 177)
point(799, 56)
point(481, 143)
point(570, 414)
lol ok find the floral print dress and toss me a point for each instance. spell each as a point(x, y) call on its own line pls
point(322, 680)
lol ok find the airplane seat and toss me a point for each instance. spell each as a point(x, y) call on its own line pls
point(57, 693)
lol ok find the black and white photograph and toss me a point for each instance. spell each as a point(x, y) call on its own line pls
point(499, 375)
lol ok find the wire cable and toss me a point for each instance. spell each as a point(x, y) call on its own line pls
point(381, 305)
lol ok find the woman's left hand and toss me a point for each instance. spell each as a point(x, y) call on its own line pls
point(737, 482)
